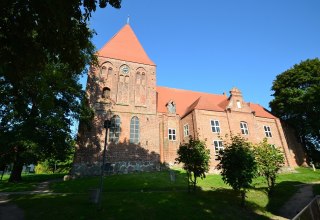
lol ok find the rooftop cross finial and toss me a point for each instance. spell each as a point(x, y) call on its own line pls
point(128, 19)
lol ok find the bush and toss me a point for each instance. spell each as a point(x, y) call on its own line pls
point(238, 166)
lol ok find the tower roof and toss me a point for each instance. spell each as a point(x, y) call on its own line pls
point(125, 45)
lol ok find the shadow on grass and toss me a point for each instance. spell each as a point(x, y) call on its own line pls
point(28, 183)
point(283, 191)
point(218, 204)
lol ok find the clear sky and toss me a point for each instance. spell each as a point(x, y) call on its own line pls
point(214, 45)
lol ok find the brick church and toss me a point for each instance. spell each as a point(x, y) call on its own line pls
point(148, 122)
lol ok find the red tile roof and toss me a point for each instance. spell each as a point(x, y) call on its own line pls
point(125, 45)
point(186, 101)
point(260, 111)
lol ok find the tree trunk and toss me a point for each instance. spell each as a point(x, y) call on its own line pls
point(15, 175)
point(194, 184)
point(188, 181)
point(243, 197)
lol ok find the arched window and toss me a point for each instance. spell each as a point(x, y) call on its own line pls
point(114, 129)
point(106, 93)
point(134, 130)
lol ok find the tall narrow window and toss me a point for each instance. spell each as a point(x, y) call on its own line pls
point(215, 126)
point(172, 134)
point(114, 130)
point(186, 130)
point(267, 131)
point(103, 70)
point(218, 147)
point(109, 72)
point(134, 130)
point(244, 128)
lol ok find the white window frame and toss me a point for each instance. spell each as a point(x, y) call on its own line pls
point(217, 146)
point(172, 134)
point(186, 130)
point(267, 131)
point(244, 128)
point(215, 127)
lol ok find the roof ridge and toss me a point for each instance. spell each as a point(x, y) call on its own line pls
point(191, 91)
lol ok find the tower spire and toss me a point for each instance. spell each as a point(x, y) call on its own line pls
point(128, 19)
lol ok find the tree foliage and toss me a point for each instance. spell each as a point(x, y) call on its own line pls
point(297, 102)
point(269, 160)
point(238, 166)
point(45, 47)
point(195, 158)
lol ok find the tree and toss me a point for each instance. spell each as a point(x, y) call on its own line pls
point(297, 102)
point(269, 160)
point(195, 158)
point(45, 47)
point(238, 166)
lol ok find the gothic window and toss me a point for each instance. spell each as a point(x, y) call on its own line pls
point(267, 131)
point(244, 128)
point(218, 147)
point(134, 130)
point(123, 88)
point(215, 126)
point(106, 93)
point(114, 130)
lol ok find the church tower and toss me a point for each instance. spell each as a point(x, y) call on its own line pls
point(123, 83)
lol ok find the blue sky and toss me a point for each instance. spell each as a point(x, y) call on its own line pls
point(212, 46)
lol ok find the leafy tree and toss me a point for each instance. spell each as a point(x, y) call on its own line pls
point(45, 47)
point(195, 158)
point(297, 102)
point(238, 166)
point(269, 160)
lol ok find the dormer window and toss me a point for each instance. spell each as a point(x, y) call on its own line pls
point(171, 106)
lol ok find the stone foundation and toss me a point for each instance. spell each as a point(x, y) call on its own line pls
point(122, 167)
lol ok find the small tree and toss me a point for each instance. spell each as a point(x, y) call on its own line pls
point(195, 158)
point(238, 166)
point(269, 160)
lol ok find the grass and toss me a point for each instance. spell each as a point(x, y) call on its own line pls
point(154, 196)
point(29, 182)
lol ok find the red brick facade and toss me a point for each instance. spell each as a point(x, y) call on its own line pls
point(155, 120)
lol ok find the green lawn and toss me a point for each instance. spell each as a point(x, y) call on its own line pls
point(154, 196)
point(29, 182)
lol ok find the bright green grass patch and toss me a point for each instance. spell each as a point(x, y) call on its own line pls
point(154, 196)
point(29, 182)
point(218, 204)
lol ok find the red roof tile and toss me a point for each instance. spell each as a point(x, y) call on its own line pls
point(186, 101)
point(260, 111)
point(125, 45)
